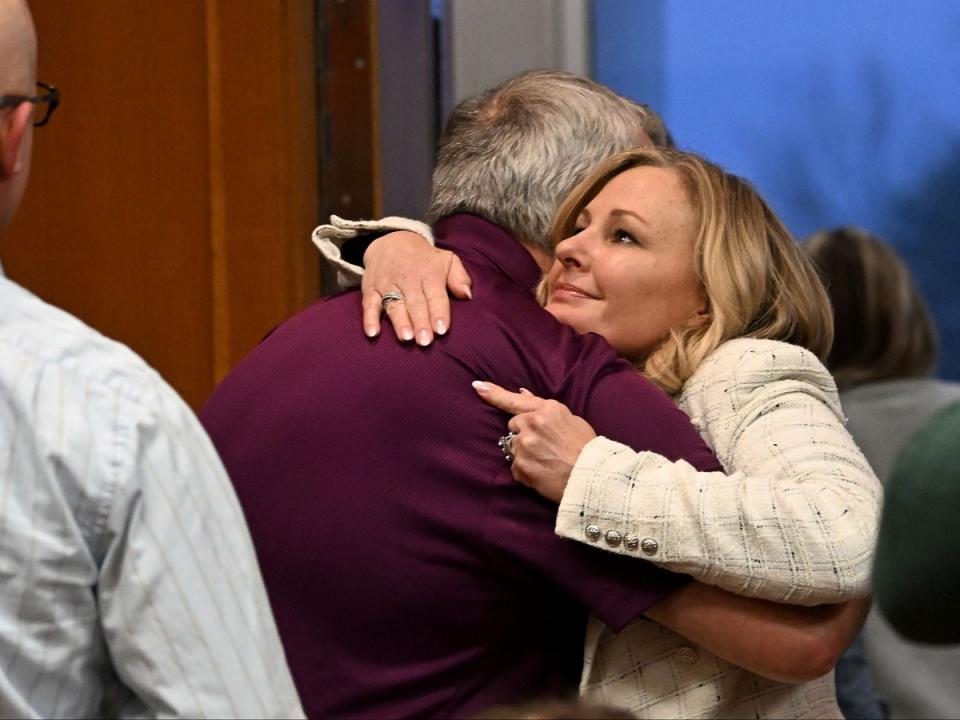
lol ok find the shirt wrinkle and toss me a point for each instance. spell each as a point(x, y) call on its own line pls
point(99, 453)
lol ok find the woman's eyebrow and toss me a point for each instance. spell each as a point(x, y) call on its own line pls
point(619, 213)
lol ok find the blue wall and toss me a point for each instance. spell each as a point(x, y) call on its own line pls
point(840, 112)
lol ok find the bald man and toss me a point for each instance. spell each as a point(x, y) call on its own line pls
point(126, 569)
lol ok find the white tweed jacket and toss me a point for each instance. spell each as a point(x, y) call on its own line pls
point(795, 521)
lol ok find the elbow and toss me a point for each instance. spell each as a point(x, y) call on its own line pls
point(851, 581)
point(855, 580)
point(810, 657)
point(852, 573)
point(822, 656)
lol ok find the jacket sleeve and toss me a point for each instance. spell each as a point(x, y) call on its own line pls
point(795, 520)
point(330, 238)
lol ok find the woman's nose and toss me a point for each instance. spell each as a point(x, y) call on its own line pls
point(572, 250)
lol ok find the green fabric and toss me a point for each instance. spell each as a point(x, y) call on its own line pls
point(916, 577)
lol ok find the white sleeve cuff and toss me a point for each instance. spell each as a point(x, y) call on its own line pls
point(329, 238)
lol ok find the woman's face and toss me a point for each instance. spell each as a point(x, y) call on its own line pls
point(628, 273)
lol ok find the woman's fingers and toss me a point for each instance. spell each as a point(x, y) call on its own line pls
point(399, 315)
point(404, 263)
point(404, 266)
point(511, 402)
point(458, 281)
point(437, 303)
point(371, 312)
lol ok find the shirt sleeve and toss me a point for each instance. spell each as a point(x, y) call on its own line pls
point(614, 588)
point(331, 238)
point(794, 521)
point(183, 607)
point(519, 533)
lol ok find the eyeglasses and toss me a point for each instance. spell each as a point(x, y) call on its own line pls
point(46, 101)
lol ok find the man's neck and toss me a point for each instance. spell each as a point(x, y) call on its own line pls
point(541, 257)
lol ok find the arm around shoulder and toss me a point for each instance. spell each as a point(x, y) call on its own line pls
point(786, 643)
point(794, 519)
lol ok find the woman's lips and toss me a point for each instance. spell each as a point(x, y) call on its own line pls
point(565, 290)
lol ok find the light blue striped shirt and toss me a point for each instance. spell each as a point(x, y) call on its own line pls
point(126, 569)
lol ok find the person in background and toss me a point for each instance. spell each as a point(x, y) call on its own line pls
point(916, 577)
point(126, 569)
point(883, 358)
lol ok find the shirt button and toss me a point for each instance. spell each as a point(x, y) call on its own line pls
point(631, 541)
point(687, 655)
point(613, 538)
point(649, 546)
point(592, 532)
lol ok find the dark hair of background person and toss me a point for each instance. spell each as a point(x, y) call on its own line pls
point(882, 327)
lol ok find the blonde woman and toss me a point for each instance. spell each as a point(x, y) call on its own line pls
point(686, 272)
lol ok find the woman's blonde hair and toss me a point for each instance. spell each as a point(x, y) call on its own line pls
point(883, 327)
point(757, 281)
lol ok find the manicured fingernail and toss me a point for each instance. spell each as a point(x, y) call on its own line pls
point(441, 327)
point(423, 338)
point(406, 334)
point(524, 391)
point(468, 292)
point(480, 386)
point(371, 331)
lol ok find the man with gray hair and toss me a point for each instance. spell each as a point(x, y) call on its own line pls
point(409, 574)
point(510, 155)
point(126, 570)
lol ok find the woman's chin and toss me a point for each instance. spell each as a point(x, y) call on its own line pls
point(563, 313)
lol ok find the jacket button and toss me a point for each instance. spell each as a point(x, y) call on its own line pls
point(613, 538)
point(687, 655)
point(592, 532)
point(631, 541)
point(649, 546)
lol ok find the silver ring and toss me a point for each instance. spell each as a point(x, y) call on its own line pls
point(391, 297)
point(506, 446)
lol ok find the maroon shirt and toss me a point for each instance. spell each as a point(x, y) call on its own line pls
point(408, 572)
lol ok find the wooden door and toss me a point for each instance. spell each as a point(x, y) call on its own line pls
point(173, 193)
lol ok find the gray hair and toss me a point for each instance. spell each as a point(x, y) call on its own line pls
point(511, 154)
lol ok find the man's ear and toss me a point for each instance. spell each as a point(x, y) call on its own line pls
point(12, 131)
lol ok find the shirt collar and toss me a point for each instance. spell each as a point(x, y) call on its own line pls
point(473, 235)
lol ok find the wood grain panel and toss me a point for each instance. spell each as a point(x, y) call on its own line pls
point(263, 135)
point(350, 103)
point(115, 220)
point(173, 194)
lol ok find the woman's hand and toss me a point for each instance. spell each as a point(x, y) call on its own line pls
point(548, 438)
point(404, 262)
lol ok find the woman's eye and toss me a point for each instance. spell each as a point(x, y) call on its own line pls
point(622, 236)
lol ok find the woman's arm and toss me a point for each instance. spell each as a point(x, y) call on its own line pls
point(787, 643)
point(794, 521)
point(398, 255)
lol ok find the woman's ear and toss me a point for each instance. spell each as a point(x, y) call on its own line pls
point(702, 315)
point(13, 130)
